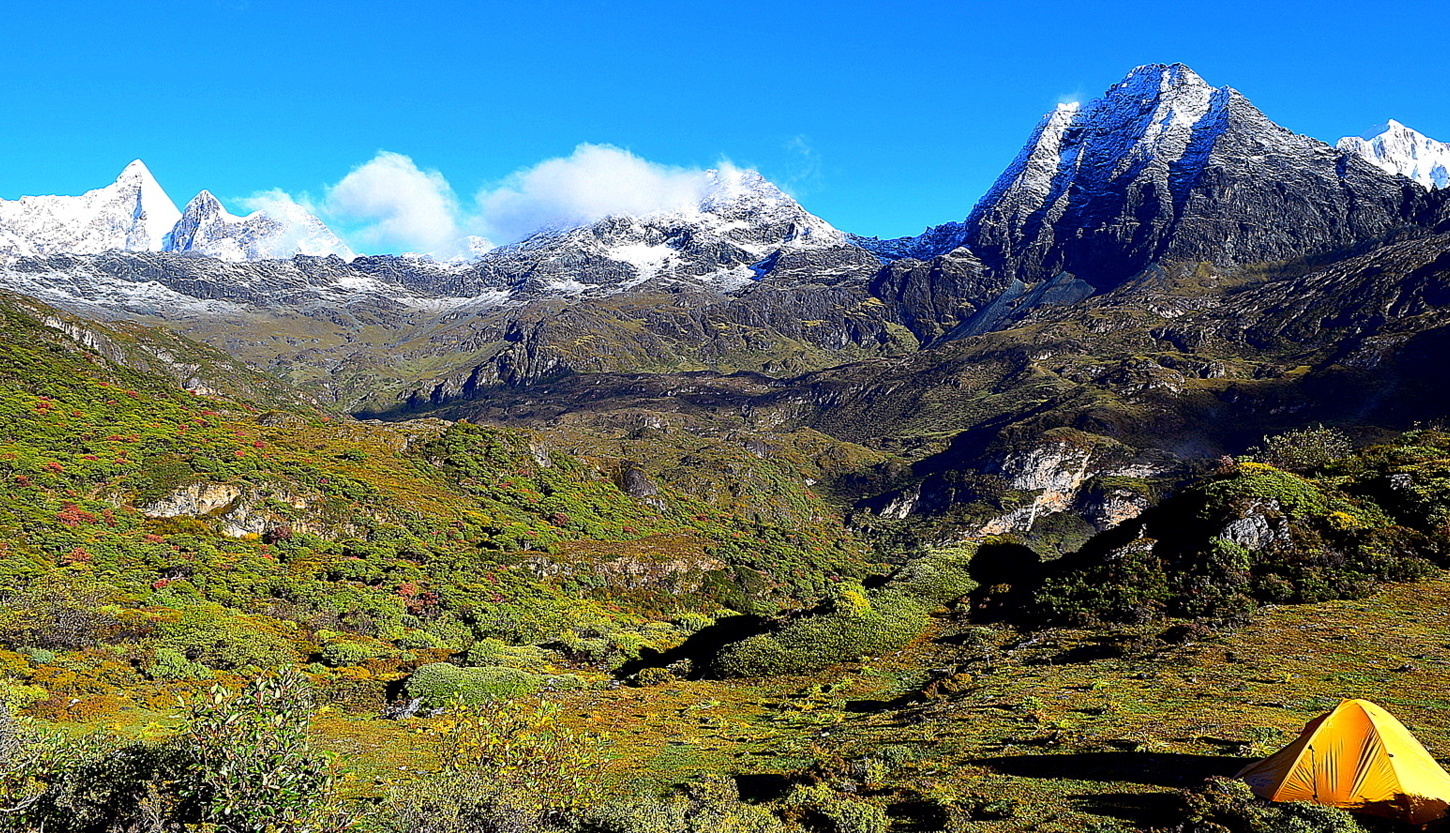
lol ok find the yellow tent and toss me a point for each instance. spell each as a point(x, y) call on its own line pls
point(1358, 757)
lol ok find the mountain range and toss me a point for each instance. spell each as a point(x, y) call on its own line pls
point(1163, 273)
point(134, 214)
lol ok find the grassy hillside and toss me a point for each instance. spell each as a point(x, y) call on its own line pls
point(153, 535)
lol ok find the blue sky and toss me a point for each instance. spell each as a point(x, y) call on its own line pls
point(881, 117)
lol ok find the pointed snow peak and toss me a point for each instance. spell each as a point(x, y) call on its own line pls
point(136, 168)
point(1160, 116)
point(153, 211)
point(133, 213)
point(1162, 76)
point(1401, 150)
point(1390, 126)
point(729, 184)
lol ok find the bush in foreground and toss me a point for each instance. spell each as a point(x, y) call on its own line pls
point(854, 622)
point(441, 683)
point(1225, 805)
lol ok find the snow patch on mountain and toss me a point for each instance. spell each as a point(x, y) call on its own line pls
point(131, 214)
point(1397, 149)
point(738, 225)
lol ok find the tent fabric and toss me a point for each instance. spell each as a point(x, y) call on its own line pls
point(1358, 757)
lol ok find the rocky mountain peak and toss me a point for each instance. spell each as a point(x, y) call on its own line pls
point(742, 227)
point(1165, 166)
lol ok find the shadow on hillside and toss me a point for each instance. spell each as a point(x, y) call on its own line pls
point(1139, 809)
point(1157, 769)
point(701, 648)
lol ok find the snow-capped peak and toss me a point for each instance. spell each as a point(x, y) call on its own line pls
point(279, 230)
point(1397, 149)
point(132, 214)
point(1154, 118)
point(155, 212)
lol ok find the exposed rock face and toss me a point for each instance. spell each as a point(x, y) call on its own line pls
point(1059, 475)
point(645, 572)
point(936, 296)
point(1164, 167)
point(1253, 530)
point(241, 512)
point(1054, 472)
point(195, 500)
point(636, 483)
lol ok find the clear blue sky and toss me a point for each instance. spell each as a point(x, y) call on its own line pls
point(883, 117)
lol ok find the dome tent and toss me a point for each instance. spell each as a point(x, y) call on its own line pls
point(1360, 758)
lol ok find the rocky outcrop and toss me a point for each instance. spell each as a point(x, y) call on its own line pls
point(934, 297)
point(195, 500)
point(243, 511)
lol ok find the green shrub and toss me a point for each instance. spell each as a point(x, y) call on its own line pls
point(243, 764)
point(1302, 450)
point(836, 812)
point(338, 654)
point(654, 676)
point(61, 611)
point(224, 639)
point(39, 656)
point(1225, 805)
point(709, 805)
point(114, 789)
point(504, 768)
point(171, 664)
point(853, 623)
point(439, 684)
point(692, 622)
point(252, 767)
point(490, 651)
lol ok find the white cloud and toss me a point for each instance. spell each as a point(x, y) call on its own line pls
point(390, 204)
point(593, 182)
point(303, 236)
point(804, 172)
